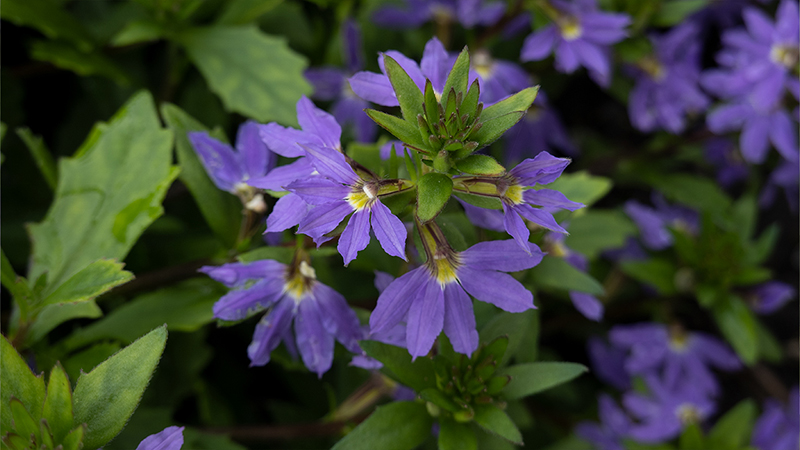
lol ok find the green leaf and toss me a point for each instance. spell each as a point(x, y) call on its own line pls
point(74, 439)
point(281, 254)
point(396, 426)
point(239, 12)
point(480, 165)
point(513, 325)
point(183, 307)
point(107, 194)
point(57, 408)
point(65, 56)
point(596, 230)
point(16, 285)
point(675, 11)
point(732, 431)
point(53, 315)
point(492, 129)
point(769, 348)
point(24, 424)
point(692, 438)
point(409, 96)
point(556, 273)
point(456, 436)
point(581, 187)
point(433, 191)
point(479, 200)
point(417, 375)
point(493, 419)
point(49, 17)
point(458, 79)
point(701, 193)
point(439, 399)
point(254, 74)
point(519, 102)
point(137, 31)
point(41, 156)
point(405, 131)
point(531, 378)
point(757, 252)
point(106, 397)
point(17, 381)
point(657, 272)
point(93, 280)
point(738, 325)
point(221, 210)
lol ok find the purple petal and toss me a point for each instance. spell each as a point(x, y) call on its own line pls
point(515, 226)
point(284, 141)
point(505, 256)
point(717, 353)
point(319, 123)
point(787, 25)
point(319, 190)
point(280, 177)
point(395, 300)
point(238, 304)
point(783, 135)
point(351, 38)
point(256, 158)
point(221, 163)
point(389, 230)
point(771, 296)
point(459, 319)
point(425, 319)
point(592, 57)
point(270, 332)
point(758, 25)
point(551, 198)
point(544, 168)
point(435, 64)
point(237, 274)
point(499, 289)
point(355, 236)
point(382, 280)
point(393, 17)
point(350, 111)
point(566, 57)
point(491, 219)
point(323, 219)
point(588, 305)
point(540, 217)
point(332, 164)
point(313, 341)
point(727, 118)
point(754, 139)
point(539, 44)
point(171, 438)
point(337, 317)
point(327, 82)
point(288, 211)
point(373, 87)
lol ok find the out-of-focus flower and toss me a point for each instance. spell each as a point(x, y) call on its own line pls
point(667, 410)
point(653, 223)
point(779, 426)
point(539, 131)
point(232, 170)
point(613, 426)
point(667, 88)
point(769, 297)
point(330, 84)
point(731, 168)
point(608, 363)
point(292, 294)
point(586, 304)
point(580, 35)
point(498, 78)
point(678, 356)
point(434, 296)
point(171, 438)
point(785, 176)
point(416, 12)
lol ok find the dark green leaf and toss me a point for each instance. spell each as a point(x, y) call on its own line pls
point(65, 56)
point(493, 419)
point(480, 165)
point(692, 438)
point(701, 193)
point(41, 155)
point(405, 131)
point(556, 273)
point(469, 105)
point(254, 74)
point(759, 251)
point(657, 272)
point(17, 381)
point(105, 398)
point(74, 439)
point(24, 424)
point(93, 280)
point(676, 11)
point(769, 348)
point(531, 378)
point(396, 426)
point(597, 230)
point(417, 375)
point(57, 408)
point(738, 325)
point(492, 129)
point(456, 436)
point(458, 79)
point(519, 102)
point(732, 431)
point(433, 191)
point(137, 31)
point(239, 12)
point(408, 93)
point(513, 325)
point(439, 399)
point(49, 17)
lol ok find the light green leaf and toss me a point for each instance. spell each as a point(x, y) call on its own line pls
point(732, 431)
point(405, 131)
point(496, 421)
point(57, 408)
point(65, 56)
point(24, 424)
point(408, 93)
point(456, 436)
point(491, 130)
point(49, 17)
point(106, 397)
point(183, 307)
point(480, 165)
point(254, 74)
point(16, 285)
point(137, 31)
point(531, 378)
point(519, 102)
point(556, 273)
point(673, 12)
point(396, 426)
point(41, 156)
point(692, 438)
point(74, 439)
point(417, 375)
point(93, 280)
point(53, 315)
point(239, 12)
point(597, 230)
point(581, 187)
point(657, 272)
point(738, 325)
point(107, 194)
point(221, 210)
point(458, 78)
point(433, 191)
point(18, 381)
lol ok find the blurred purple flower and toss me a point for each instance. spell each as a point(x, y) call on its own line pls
point(653, 223)
point(498, 78)
point(291, 294)
point(680, 357)
point(171, 438)
point(667, 410)
point(416, 12)
point(667, 88)
point(613, 426)
point(731, 168)
point(434, 296)
point(539, 131)
point(581, 35)
point(778, 427)
point(608, 363)
point(330, 84)
point(769, 297)
point(631, 251)
point(586, 304)
point(785, 176)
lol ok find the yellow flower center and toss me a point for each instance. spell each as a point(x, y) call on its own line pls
point(678, 339)
point(571, 29)
point(300, 282)
point(652, 67)
point(785, 55)
point(483, 64)
point(514, 194)
point(688, 414)
point(362, 196)
point(444, 269)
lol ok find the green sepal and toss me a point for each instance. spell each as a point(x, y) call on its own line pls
point(45, 435)
point(496, 421)
point(15, 441)
point(480, 165)
point(519, 102)
point(531, 378)
point(439, 399)
point(469, 105)
point(449, 106)
point(24, 424)
point(74, 440)
point(57, 410)
point(492, 129)
point(479, 200)
point(458, 79)
point(456, 436)
point(408, 94)
point(495, 385)
point(397, 364)
point(433, 191)
point(18, 382)
point(400, 128)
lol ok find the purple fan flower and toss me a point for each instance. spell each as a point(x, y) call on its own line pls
point(779, 426)
point(653, 223)
point(667, 87)
point(330, 84)
point(434, 296)
point(682, 357)
point(771, 296)
point(498, 78)
point(608, 363)
point(435, 66)
point(581, 35)
point(667, 410)
point(171, 438)
point(613, 426)
point(468, 12)
point(586, 304)
point(731, 168)
point(784, 176)
point(394, 336)
point(539, 131)
point(340, 191)
point(231, 170)
point(292, 294)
